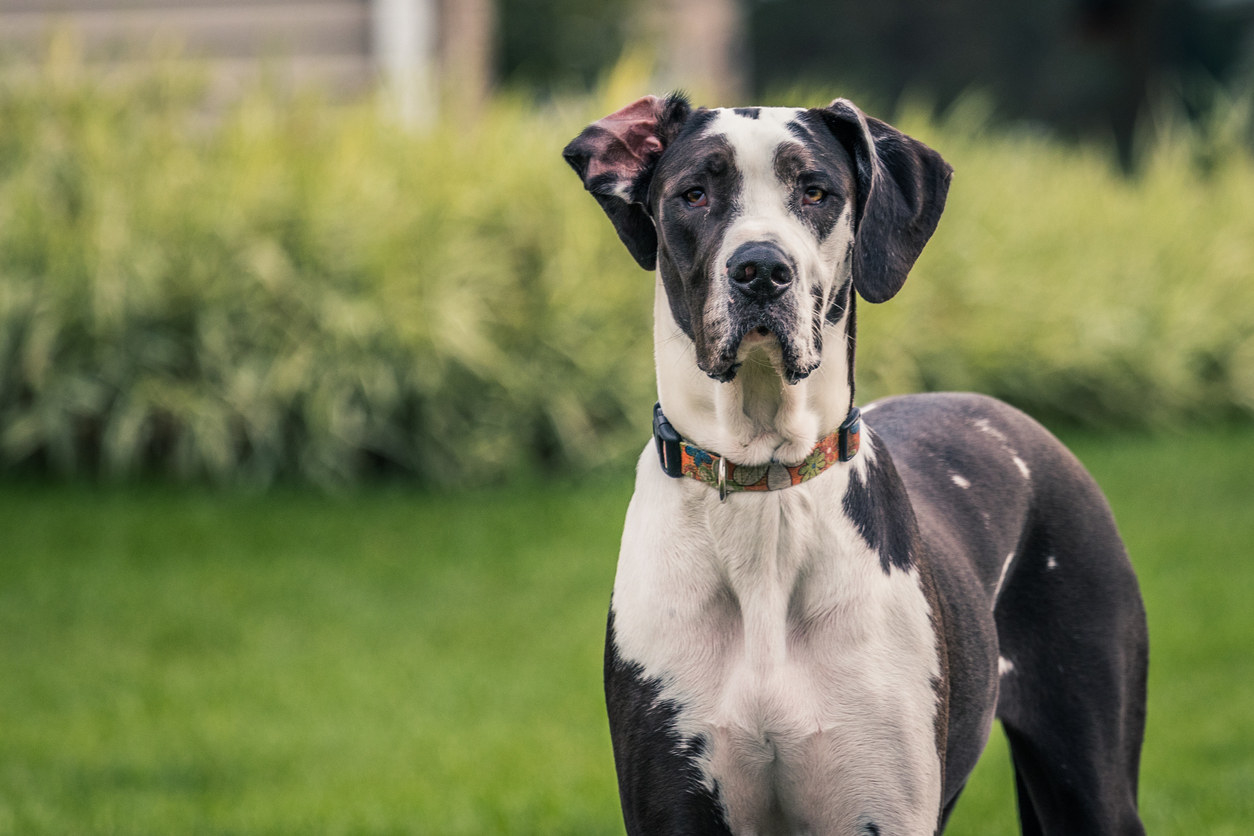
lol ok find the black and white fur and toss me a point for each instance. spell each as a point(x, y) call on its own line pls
point(829, 658)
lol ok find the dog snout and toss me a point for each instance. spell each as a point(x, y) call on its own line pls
point(759, 271)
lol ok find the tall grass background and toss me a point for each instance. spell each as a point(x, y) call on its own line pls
point(290, 289)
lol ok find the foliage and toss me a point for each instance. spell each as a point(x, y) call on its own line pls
point(1076, 293)
point(290, 289)
point(298, 289)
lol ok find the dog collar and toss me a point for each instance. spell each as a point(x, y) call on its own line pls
point(680, 458)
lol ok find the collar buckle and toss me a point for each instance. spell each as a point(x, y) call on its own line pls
point(667, 441)
point(849, 438)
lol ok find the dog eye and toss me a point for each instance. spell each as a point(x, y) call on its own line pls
point(813, 196)
point(696, 197)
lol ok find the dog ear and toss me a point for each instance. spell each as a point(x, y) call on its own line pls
point(615, 157)
point(902, 185)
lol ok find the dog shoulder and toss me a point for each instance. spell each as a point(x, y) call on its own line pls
point(964, 439)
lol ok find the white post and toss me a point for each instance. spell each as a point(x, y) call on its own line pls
point(403, 43)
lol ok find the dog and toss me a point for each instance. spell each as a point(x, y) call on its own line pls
point(818, 611)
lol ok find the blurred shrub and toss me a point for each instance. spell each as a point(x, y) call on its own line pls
point(298, 290)
point(1075, 292)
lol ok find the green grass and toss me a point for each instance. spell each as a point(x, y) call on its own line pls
point(189, 662)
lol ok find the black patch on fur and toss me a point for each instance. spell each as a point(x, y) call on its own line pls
point(817, 160)
point(690, 237)
point(881, 510)
point(748, 112)
point(926, 564)
point(851, 338)
point(659, 783)
point(840, 300)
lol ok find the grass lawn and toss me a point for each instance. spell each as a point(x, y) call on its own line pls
point(189, 662)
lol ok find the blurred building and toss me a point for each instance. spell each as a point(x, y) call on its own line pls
point(326, 41)
point(341, 45)
point(1080, 66)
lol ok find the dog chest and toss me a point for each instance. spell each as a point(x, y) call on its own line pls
point(802, 670)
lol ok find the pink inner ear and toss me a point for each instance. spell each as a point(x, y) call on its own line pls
point(631, 137)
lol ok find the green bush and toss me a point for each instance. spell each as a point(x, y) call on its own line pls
point(300, 289)
point(292, 289)
point(1078, 293)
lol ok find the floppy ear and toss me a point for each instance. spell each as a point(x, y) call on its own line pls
point(902, 186)
point(615, 157)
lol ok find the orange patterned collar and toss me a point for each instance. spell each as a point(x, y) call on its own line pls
point(680, 458)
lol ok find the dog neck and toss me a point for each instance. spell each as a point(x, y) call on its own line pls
point(757, 417)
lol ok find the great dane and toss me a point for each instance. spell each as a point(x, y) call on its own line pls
point(818, 612)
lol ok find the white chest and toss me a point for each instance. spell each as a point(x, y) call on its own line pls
point(807, 669)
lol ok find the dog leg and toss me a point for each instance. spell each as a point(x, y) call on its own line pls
point(1071, 698)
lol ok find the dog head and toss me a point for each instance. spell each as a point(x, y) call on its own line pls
point(760, 219)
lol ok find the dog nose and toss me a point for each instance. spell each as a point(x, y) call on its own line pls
point(760, 271)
